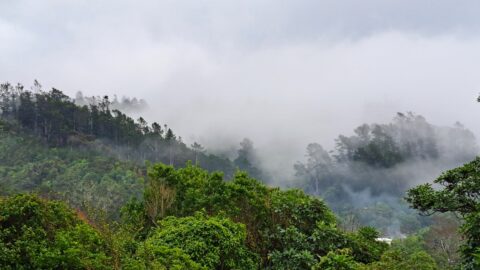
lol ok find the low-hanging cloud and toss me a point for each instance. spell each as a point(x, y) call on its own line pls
point(281, 73)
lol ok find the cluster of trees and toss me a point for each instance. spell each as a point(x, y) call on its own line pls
point(89, 155)
point(189, 218)
point(369, 158)
point(247, 160)
point(55, 117)
point(81, 176)
point(366, 176)
point(95, 123)
point(384, 146)
point(122, 215)
point(285, 229)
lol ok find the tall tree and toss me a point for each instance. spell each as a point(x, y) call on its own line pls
point(247, 159)
point(318, 167)
point(197, 149)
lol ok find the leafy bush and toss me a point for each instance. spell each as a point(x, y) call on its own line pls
point(213, 242)
point(40, 234)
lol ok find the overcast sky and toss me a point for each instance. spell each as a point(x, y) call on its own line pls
point(284, 73)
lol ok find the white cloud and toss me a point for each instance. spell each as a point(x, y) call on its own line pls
point(284, 73)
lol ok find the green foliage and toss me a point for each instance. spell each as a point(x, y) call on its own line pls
point(215, 242)
point(365, 247)
point(294, 207)
point(362, 244)
point(380, 159)
point(153, 256)
point(287, 229)
point(296, 250)
point(242, 224)
point(397, 260)
point(404, 254)
point(459, 194)
point(39, 234)
point(188, 217)
point(409, 136)
point(82, 177)
point(247, 159)
point(338, 260)
point(267, 213)
point(60, 121)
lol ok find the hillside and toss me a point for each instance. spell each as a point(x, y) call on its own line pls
point(82, 176)
point(191, 219)
point(58, 121)
point(127, 210)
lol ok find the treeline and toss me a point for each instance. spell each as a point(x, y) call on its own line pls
point(378, 156)
point(124, 104)
point(365, 177)
point(56, 118)
point(191, 219)
point(88, 180)
point(92, 157)
point(59, 121)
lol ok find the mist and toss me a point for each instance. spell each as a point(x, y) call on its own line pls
point(366, 176)
point(282, 74)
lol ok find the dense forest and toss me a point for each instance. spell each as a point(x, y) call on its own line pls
point(85, 186)
point(59, 121)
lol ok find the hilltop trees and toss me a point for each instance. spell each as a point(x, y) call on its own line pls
point(408, 137)
point(186, 217)
point(373, 156)
point(98, 123)
point(364, 178)
point(55, 117)
point(124, 104)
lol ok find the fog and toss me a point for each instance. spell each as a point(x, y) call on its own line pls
point(283, 74)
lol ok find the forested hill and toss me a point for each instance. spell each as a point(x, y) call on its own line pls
point(85, 152)
point(81, 176)
point(186, 218)
point(130, 214)
point(386, 158)
point(365, 177)
point(60, 121)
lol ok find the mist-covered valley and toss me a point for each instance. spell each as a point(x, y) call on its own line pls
point(87, 152)
point(290, 135)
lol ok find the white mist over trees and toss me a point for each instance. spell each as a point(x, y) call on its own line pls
point(387, 158)
point(365, 177)
point(125, 104)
